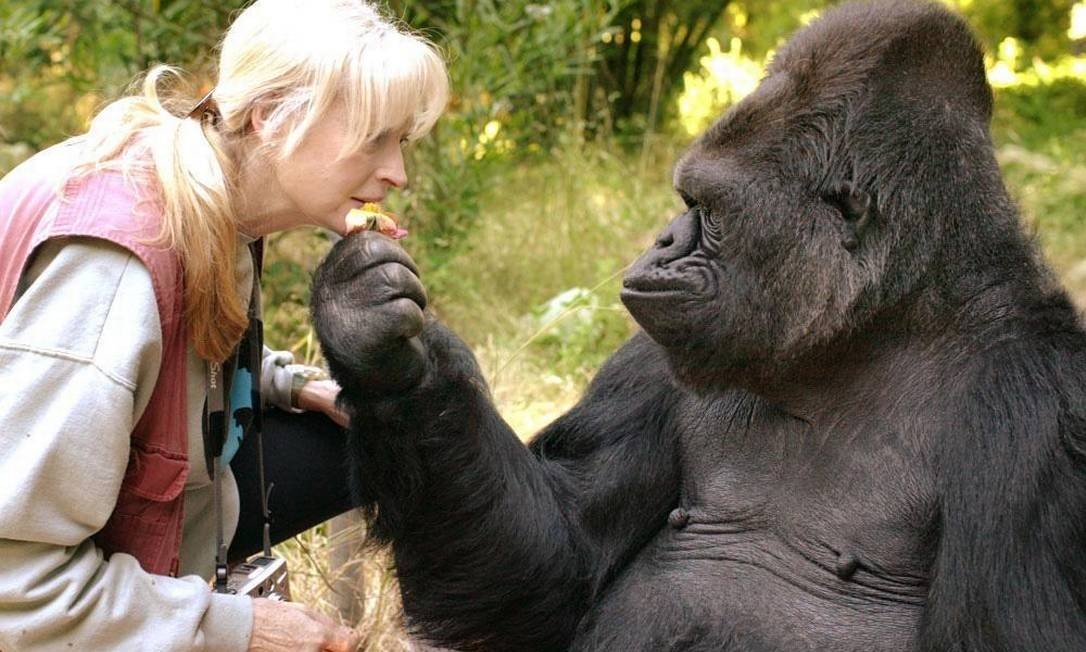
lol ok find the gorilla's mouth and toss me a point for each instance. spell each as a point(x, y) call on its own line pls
point(689, 281)
point(662, 300)
point(654, 287)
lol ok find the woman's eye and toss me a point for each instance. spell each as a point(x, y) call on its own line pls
point(382, 140)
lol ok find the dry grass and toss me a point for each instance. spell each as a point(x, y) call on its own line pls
point(361, 592)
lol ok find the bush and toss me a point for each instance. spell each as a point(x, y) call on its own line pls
point(1041, 136)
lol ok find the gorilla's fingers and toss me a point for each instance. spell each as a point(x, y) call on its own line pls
point(359, 254)
point(396, 281)
point(371, 249)
point(406, 317)
point(368, 305)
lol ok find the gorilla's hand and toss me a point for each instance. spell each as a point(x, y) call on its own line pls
point(368, 307)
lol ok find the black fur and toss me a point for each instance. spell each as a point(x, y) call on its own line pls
point(856, 419)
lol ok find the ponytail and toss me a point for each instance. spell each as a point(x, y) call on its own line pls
point(297, 58)
point(186, 160)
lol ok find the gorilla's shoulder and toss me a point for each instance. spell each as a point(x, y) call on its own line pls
point(1036, 379)
point(637, 361)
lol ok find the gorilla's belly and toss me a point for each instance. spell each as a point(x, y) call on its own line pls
point(711, 587)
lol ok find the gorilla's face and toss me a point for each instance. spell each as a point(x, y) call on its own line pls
point(775, 250)
point(831, 195)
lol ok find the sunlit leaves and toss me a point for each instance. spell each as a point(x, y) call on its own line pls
point(724, 77)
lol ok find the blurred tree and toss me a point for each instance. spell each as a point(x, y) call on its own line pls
point(532, 77)
point(1040, 24)
point(643, 54)
point(515, 67)
point(613, 62)
point(60, 59)
point(509, 58)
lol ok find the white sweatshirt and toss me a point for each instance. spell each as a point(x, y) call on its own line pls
point(79, 354)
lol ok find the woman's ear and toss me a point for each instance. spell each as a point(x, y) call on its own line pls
point(258, 121)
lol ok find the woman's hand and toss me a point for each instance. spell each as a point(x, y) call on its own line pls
point(288, 627)
point(320, 396)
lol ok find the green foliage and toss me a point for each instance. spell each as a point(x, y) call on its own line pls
point(60, 60)
point(515, 67)
point(642, 57)
point(532, 78)
point(600, 63)
point(578, 329)
point(1041, 24)
point(723, 78)
point(764, 25)
point(575, 220)
point(290, 259)
point(1041, 137)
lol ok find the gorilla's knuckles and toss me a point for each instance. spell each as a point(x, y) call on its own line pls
point(368, 303)
point(406, 316)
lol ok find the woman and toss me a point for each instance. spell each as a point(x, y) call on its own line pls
point(124, 269)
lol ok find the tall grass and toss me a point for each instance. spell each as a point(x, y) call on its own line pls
point(572, 222)
point(1040, 134)
point(569, 221)
point(367, 581)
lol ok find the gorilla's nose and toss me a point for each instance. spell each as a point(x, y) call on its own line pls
point(654, 269)
point(676, 241)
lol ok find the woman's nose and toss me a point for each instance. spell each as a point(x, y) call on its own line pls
point(392, 170)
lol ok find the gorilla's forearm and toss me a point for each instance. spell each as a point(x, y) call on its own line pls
point(496, 546)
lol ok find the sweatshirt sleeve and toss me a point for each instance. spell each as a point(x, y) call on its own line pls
point(276, 378)
point(79, 355)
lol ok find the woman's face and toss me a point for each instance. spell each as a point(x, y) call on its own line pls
point(314, 185)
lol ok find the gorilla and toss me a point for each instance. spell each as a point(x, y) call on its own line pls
point(854, 417)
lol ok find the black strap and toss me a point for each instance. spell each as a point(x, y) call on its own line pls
point(215, 428)
point(256, 363)
point(217, 418)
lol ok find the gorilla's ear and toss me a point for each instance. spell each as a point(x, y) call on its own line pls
point(857, 210)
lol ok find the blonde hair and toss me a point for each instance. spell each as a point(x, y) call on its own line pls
point(297, 59)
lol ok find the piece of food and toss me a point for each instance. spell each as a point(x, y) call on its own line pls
point(371, 217)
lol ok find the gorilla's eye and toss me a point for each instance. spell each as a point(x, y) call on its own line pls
point(706, 221)
point(687, 199)
point(856, 208)
point(853, 205)
point(711, 231)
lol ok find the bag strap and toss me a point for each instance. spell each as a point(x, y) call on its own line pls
point(216, 422)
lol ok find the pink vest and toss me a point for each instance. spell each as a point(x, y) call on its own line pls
point(147, 520)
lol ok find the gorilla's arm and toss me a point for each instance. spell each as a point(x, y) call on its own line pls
point(499, 546)
point(1009, 574)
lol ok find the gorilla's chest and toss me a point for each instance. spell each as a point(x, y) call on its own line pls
point(785, 538)
point(850, 488)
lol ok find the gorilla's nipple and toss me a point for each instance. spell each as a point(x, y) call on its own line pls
point(847, 564)
point(678, 518)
